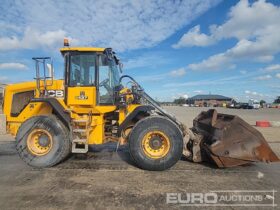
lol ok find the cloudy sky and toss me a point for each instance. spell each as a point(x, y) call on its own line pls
point(173, 48)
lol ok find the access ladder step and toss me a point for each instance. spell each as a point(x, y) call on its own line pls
point(83, 149)
point(80, 141)
point(80, 121)
point(79, 146)
point(79, 130)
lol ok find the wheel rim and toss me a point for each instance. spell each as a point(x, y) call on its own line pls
point(156, 144)
point(39, 142)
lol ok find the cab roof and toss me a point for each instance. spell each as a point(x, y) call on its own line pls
point(82, 49)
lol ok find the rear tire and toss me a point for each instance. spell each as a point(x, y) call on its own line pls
point(52, 148)
point(155, 143)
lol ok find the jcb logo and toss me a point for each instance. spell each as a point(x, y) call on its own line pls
point(56, 93)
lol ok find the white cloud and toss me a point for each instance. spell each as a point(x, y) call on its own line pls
point(146, 60)
point(264, 77)
point(278, 75)
point(121, 24)
point(253, 94)
point(274, 67)
point(257, 35)
point(33, 39)
point(207, 82)
point(243, 72)
point(195, 83)
point(3, 79)
point(198, 91)
point(157, 77)
point(178, 73)
point(151, 78)
point(214, 62)
point(16, 66)
point(194, 38)
point(185, 96)
point(248, 94)
point(180, 95)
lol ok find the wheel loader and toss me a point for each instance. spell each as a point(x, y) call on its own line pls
point(92, 105)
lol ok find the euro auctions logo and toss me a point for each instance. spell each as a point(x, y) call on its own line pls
point(243, 198)
point(191, 198)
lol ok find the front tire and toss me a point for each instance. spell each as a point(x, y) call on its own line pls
point(155, 143)
point(43, 141)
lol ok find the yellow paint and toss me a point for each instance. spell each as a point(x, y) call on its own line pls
point(128, 95)
point(82, 49)
point(12, 128)
point(10, 90)
point(33, 142)
point(97, 135)
point(122, 115)
point(77, 108)
point(124, 112)
point(81, 103)
point(32, 109)
point(104, 109)
point(161, 150)
point(131, 107)
point(81, 96)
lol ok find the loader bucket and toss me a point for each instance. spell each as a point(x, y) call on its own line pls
point(230, 141)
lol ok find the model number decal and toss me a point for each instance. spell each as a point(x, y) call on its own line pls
point(56, 93)
point(82, 96)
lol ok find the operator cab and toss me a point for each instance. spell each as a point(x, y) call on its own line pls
point(94, 71)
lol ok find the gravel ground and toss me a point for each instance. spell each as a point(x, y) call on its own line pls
point(109, 180)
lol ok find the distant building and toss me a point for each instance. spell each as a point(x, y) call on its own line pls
point(166, 103)
point(209, 100)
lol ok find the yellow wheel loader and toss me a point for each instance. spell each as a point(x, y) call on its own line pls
point(53, 118)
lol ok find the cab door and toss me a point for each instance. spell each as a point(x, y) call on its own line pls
point(81, 82)
point(108, 79)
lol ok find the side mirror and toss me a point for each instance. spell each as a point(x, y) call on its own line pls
point(109, 53)
point(50, 70)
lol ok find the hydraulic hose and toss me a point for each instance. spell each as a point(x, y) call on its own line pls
point(144, 95)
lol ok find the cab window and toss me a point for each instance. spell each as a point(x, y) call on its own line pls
point(108, 79)
point(82, 70)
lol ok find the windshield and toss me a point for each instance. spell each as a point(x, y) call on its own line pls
point(108, 79)
point(115, 75)
point(110, 69)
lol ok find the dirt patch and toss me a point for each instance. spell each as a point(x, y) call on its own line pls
point(107, 179)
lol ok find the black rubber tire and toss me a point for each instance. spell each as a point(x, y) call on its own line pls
point(164, 125)
point(61, 141)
